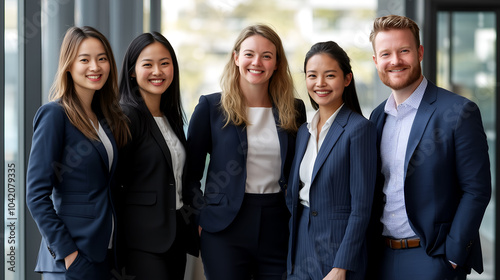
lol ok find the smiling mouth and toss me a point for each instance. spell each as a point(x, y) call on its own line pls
point(255, 71)
point(94, 77)
point(156, 82)
point(322, 92)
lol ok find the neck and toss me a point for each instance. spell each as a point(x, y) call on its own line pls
point(257, 96)
point(86, 101)
point(153, 104)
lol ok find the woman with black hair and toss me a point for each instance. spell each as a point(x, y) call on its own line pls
point(330, 190)
point(154, 219)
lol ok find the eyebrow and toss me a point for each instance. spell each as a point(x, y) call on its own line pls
point(249, 50)
point(327, 71)
point(85, 54)
point(149, 59)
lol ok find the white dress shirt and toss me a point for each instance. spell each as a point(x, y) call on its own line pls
point(393, 145)
point(263, 156)
point(177, 154)
point(309, 159)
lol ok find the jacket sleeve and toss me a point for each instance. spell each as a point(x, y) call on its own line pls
point(45, 170)
point(362, 173)
point(474, 179)
point(198, 146)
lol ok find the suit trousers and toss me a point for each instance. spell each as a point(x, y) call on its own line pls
point(415, 264)
point(170, 265)
point(306, 265)
point(253, 246)
point(83, 269)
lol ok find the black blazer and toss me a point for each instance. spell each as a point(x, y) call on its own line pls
point(146, 196)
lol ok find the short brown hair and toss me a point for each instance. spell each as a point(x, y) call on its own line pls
point(386, 23)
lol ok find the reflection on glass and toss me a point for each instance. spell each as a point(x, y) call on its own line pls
point(466, 65)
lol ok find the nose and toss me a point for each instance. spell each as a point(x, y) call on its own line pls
point(156, 70)
point(94, 66)
point(395, 59)
point(320, 81)
point(256, 60)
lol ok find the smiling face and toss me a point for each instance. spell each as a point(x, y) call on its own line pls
point(90, 69)
point(397, 58)
point(256, 60)
point(325, 81)
point(154, 70)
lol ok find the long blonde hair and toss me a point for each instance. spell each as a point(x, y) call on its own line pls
point(105, 99)
point(281, 88)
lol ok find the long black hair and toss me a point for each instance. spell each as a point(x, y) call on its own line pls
point(332, 49)
point(170, 103)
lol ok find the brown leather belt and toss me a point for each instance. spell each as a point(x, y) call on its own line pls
point(405, 243)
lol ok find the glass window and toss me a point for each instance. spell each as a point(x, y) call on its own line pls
point(466, 64)
point(203, 33)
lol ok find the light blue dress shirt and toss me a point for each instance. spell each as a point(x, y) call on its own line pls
point(393, 145)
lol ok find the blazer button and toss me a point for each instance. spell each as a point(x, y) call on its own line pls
point(314, 213)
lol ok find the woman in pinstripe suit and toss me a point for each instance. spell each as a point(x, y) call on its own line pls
point(331, 183)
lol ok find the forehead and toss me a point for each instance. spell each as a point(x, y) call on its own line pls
point(90, 44)
point(155, 49)
point(322, 61)
point(257, 43)
point(394, 38)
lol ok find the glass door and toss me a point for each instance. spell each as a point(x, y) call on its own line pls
point(466, 64)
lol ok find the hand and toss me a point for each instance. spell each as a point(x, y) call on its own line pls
point(336, 274)
point(69, 259)
point(199, 230)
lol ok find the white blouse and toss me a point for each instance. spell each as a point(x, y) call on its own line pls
point(309, 159)
point(177, 153)
point(263, 157)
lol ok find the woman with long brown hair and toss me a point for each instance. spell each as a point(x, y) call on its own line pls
point(73, 158)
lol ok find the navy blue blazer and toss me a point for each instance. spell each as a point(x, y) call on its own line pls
point(447, 176)
point(68, 189)
point(341, 194)
point(226, 174)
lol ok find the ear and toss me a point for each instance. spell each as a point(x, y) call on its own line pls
point(420, 53)
point(133, 75)
point(236, 59)
point(374, 59)
point(347, 79)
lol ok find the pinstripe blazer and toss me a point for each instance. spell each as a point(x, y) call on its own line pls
point(341, 194)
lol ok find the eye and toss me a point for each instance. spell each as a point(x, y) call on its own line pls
point(84, 60)
point(311, 76)
point(146, 65)
point(268, 57)
point(247, 55)
point(166, 63)
point(330, 76)
point(104, 58)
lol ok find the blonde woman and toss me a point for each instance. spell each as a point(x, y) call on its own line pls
point(249, 131)
point(73, 158)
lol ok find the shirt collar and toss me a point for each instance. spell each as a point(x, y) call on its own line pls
point(413, 101)
point(313, 125)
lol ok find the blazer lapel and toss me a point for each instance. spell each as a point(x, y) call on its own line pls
point(160, 140)
point(424, 113)
point(333, 135)
point(108, 132)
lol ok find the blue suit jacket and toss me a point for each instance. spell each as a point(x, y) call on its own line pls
point(341, 194)
point(68, 187)
point(448, 182)
point(226, 174)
